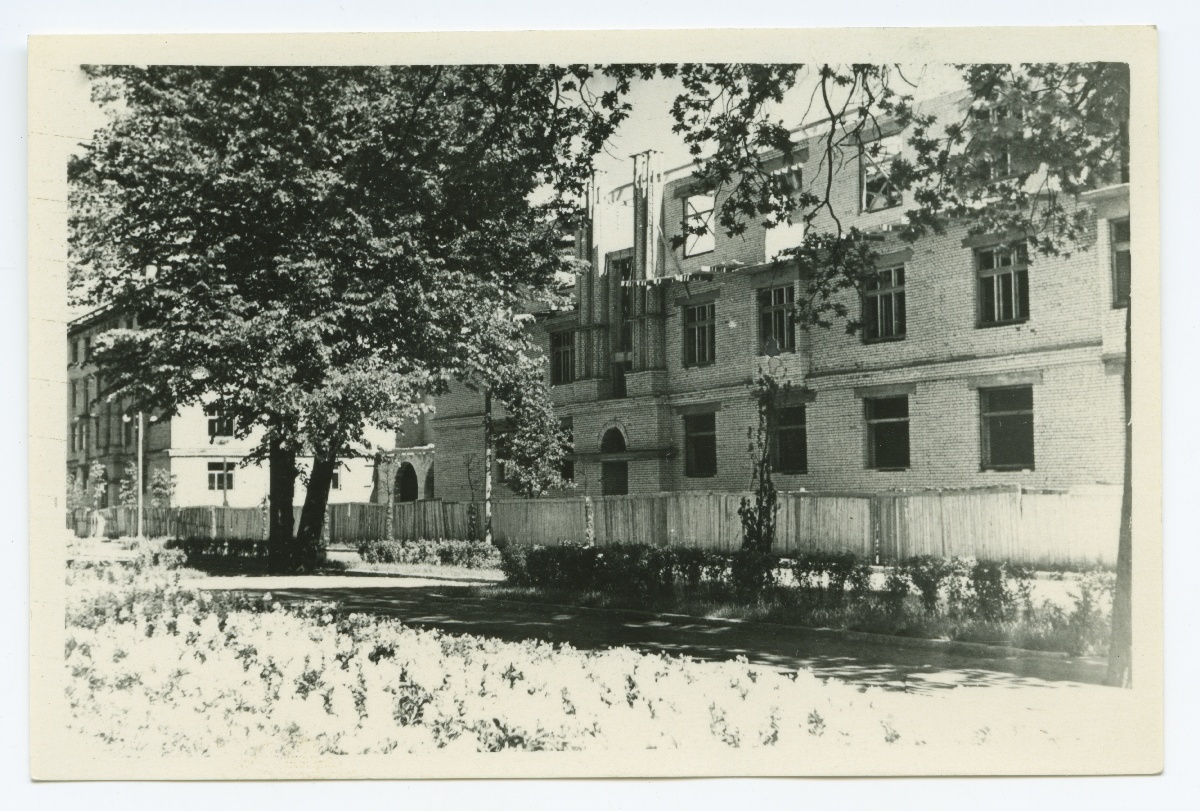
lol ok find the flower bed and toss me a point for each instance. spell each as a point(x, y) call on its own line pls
point(157, 668)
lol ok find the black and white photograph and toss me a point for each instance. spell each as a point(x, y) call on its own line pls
point(490, 405)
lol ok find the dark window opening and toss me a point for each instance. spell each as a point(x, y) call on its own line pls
point(884, 313)
point(614, 478)
point(1006, 423)
point(336, 482)
point(562, 357)
point(700, 446)
point(789, 440)
point(625, 305)
point(887, 433)
point(700, 334)
point(220, 475)
point(219, 425)
point(1003, 285)
point(776, 319)
point(1121, 261)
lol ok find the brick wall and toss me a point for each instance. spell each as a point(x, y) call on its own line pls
point(1071, 345)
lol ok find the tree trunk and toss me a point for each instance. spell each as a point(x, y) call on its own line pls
point(488, 456)
point(310, 551)
point(282, 463)
point(1120, 649)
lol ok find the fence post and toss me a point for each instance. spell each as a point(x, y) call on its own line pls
point(212, 523)
point(589, 521)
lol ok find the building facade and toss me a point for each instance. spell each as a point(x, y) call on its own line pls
point(978, 363)
point(198, 450)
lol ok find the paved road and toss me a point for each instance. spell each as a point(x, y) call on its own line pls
point(452, 607)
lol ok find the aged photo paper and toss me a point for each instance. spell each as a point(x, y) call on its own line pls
point(1055, 393)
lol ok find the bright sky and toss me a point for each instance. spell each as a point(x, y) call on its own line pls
point(649, 124)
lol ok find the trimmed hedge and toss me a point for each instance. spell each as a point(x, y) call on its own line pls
point(468, 554)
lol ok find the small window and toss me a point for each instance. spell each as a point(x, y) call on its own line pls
point(887, 433)
point(87, 349)
point(74, 352)
point(219, 425)
point(562, 357)
point(884, 315)
point(699, 334)
point(1003, 285)
point(220, 475)
point(1121, 264)
point(700, 446)
point(130, 427)
point(74, 397)
point(875, 162)
point(697, 214)
point(624, 269)
point(1006, 428)
point(777, 320)
point(789, 441)
point(336, 482)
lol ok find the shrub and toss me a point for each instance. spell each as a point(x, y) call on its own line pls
point(827, 575)
point(467, 554)
point(927, 573)
point(753, 571)
point(1000, 590)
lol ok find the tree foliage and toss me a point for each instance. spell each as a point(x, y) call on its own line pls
point(309, 244)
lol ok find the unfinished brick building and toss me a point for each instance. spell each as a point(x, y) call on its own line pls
point(978, 364)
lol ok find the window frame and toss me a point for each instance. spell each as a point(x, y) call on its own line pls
point(219, 480)
point(986, 416)
point(1120, 293)
point(777, 426)
point(694, 244)
point(879, 164)
point(873, 298)
point(1017, 269)
point(693, 433)
point(697, 327)
point(776, 316)
point(562, 357)
point(875, 423)
point(218, 420)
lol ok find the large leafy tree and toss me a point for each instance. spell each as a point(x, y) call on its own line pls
point(1013, 156)
point(312, 246)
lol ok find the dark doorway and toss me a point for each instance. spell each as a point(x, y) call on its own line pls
point(407, 488)
point(614, 474)
point(429, 483)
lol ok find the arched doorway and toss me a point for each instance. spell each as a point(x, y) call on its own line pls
point(429, 483)
point(614, 474)
point(406, 488)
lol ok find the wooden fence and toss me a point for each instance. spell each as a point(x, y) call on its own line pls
point(1004, 523)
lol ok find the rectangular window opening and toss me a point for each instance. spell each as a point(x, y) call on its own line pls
point(697, 215)
point(887, 433)
point(700, 334)
point(885, 316)
point(562, 357)
point(1003, 285)
point(220, 475)
point(1006, 428)
point(875, 164)
point(789, 440)
point(700, 446)
point(1121, 261)
point(777, 320)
